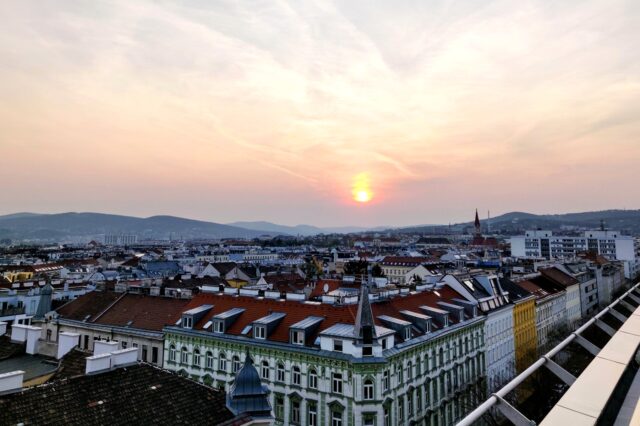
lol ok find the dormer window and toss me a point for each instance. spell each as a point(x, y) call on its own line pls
point(259, 332)
point(218, 326)
point(337, 345)
point(297, 337)
point(407, 333)
point(187, 322)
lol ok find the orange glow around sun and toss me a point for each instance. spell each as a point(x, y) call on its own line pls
point(362, 188)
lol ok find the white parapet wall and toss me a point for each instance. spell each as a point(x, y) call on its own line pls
point(66, 342)
point(33, 335)
point(103, 347)
point(3, 328)
point(11, 381)
point(98, 363)
point(124, 357)
point(19, 333)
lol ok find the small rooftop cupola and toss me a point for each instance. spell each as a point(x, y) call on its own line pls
point(365, 328)
point(248, 394)
point(44, 305)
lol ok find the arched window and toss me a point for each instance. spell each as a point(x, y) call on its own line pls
point(236, 364)
point(196, 357)
point(209, 360)
point(313, 379)
point(400, 374)
point(296, 378)
point(280, 372)
point(368, 389)
point(409, 370)
point(222, 362)
point(385, 380)
point(172, 353)
point(264, 370)
point(184, 355)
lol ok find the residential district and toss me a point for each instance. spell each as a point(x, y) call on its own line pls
point(360, 329)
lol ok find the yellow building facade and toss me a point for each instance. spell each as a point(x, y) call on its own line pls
point(525, 335)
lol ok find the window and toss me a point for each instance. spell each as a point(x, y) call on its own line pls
point(264, 370)
point(336, 418)
point(187, 322)
point(295, 376)
point(368, 389)
point(279, 408)
point(235, 366)
point(313, 414)
point(196, 358)
point(400, 374)
point(387, 416)
point(367, 351)
point(384, 344)
point(154, 355)
point(124, 345)
point(401, 409)
point(336, 383)
point(297, 337)
point(313, 379)
point(385, 380)
point(259, 332)
point(222, 362)
point(208, 359)
point(280, 372)
point(410, 403)
point(337, 345)
point(184, 355)
point(295, 412)
point(144, 352)
point(172, 353)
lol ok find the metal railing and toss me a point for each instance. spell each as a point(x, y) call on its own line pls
point(510, 412)
point(12, 310)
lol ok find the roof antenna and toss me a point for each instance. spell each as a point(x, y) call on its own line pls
point(602, 224)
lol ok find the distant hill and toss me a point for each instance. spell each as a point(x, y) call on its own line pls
point(304, 230)
point(627, 221)
point(33, 226)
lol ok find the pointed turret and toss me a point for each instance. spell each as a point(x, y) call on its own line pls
point(365, 329)
point(477, 224)
point(247, 394)
point(44, 304)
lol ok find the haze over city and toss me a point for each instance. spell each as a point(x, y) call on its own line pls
point(345, 113)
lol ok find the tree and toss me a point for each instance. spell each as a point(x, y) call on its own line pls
point(376, 271)
point(356, 267)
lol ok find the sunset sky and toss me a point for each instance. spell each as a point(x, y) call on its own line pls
point(282, 111)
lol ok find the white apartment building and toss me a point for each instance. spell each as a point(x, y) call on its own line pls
point(543, 244)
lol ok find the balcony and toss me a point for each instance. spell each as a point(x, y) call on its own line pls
point(11, 310)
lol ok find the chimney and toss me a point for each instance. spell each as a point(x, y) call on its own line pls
point(19, 333)
point(66, 342)
point(103, 347)
point(124, 357)
point(3, 328)
point(11, 382)
point(33, 335)
point(98, 363)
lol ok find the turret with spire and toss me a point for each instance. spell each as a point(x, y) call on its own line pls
point(365, 329)
point(478, 230)
point(248, 394)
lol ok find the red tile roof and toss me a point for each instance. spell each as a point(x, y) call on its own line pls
point(296, 311)
point(144, 312)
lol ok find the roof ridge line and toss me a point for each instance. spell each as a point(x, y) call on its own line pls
point(108, 307)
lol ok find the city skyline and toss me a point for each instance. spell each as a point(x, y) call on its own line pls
point(283, 111)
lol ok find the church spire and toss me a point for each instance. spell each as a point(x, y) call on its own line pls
point(477, 224)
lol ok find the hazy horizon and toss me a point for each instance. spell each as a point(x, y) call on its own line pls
point(329, 114)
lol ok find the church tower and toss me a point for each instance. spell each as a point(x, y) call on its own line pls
point(478, 231)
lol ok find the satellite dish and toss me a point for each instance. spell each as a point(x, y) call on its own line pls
point(325, 288)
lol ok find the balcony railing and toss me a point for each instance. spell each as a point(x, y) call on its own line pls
point(11, 310)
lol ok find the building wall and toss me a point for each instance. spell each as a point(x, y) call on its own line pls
point(573, 305)
point(551, 317)
point(500, 348)
point(525, 335)
point(435, 381)
point(134, 338)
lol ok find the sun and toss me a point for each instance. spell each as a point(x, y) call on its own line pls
point(361, 189)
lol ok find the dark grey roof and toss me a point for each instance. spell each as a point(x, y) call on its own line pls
point(364, 318)
point(247, 394)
